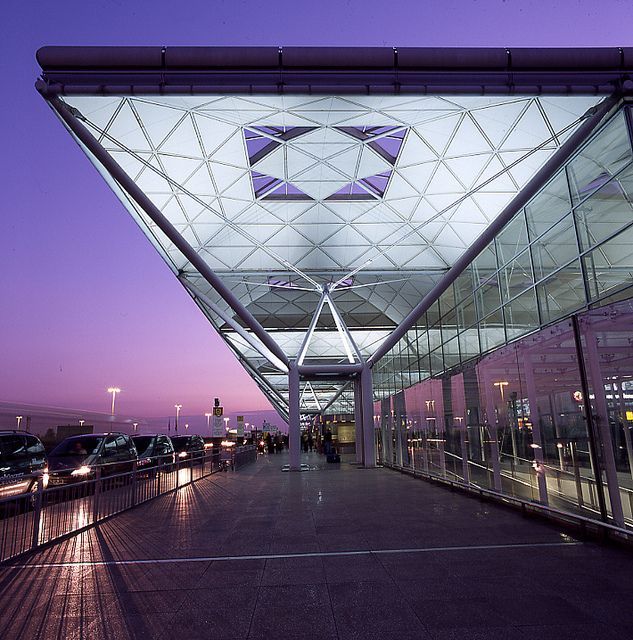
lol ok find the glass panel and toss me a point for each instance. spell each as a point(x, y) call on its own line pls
point(603, 157)
point(469, 343)
point(610, 267)
point(466, 313)
point(433, 314)
point(512, 239)
point(447, 300)
point(557, 247)
point(437, 362)
point(425, 365)
point(561, 294)
point(606, 211)
point(530, 394)
point(484, 264)
point(609, 364)
point(491, 331)
point(521, 314)
point(549, 206)
point(449, 325)
point(464, 285)
point(423, 340)
point(517, 276)
point(488, 296)
point(451, 353)
point(435, 338)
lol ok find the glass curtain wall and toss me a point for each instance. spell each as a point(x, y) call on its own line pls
point(489, 389)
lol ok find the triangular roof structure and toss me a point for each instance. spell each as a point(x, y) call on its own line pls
point(271, 180)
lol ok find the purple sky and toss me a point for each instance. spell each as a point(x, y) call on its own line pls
point(85, 300)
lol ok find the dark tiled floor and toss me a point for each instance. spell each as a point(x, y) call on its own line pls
point(558, 591)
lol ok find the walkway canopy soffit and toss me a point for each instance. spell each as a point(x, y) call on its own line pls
point(371, 198)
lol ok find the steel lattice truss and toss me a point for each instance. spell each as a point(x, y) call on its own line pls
point(370, 198)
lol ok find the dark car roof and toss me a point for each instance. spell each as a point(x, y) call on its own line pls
point(13, 432)
point(96, 435)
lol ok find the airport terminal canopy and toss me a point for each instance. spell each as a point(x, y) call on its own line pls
point(309, 198)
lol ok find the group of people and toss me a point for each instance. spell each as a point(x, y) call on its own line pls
point(307, 442)
point(275, 443)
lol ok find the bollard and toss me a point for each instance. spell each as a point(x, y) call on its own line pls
point(133, 496)
point(97, 492)
point(37, 513)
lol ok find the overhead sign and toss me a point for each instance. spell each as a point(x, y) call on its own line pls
point(218, 430)
point(240, 426)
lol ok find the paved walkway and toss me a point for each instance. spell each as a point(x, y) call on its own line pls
point(328, 553)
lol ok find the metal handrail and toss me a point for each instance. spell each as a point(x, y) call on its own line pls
point(609, 531)
point(29, 521)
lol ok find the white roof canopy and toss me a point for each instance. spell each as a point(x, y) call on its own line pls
point(364, 199)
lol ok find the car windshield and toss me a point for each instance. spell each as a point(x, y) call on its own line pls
point(180, 443)
point(77, 447)
point(11, 448)
point(142, 444)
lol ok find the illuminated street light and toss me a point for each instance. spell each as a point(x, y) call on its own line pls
point(135, 424)
point(501, 385)
point(226, 424)
point(81, 423)
point(178, 408)
point(113, 391)
point(186, 426)
point(19, 419)
point(208, 417)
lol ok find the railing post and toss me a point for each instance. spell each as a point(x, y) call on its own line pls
point(133, 496)
point(95, 499)
point(37, 513)
point(191, 470)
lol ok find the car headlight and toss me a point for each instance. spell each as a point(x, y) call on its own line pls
point(82, 471)
point(182, 454)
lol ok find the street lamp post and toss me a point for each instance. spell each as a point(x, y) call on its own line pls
point(186, 427)
point(226, 424)
point(113, 391)
point(19, 419)
point(178, 408)
point(208, 417)
point(135, 424)
point(81, 423)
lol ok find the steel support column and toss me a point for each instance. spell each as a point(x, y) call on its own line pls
point(593, 435)
point(358, 421)
point(367, 400)
point(604, 428)
point(294, 426)
point(537, 438)
point(493, 436)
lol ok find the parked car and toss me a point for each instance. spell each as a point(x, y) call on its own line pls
point(153, 451)
point(76, 458)
point(189, 447)
point(22, 462)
